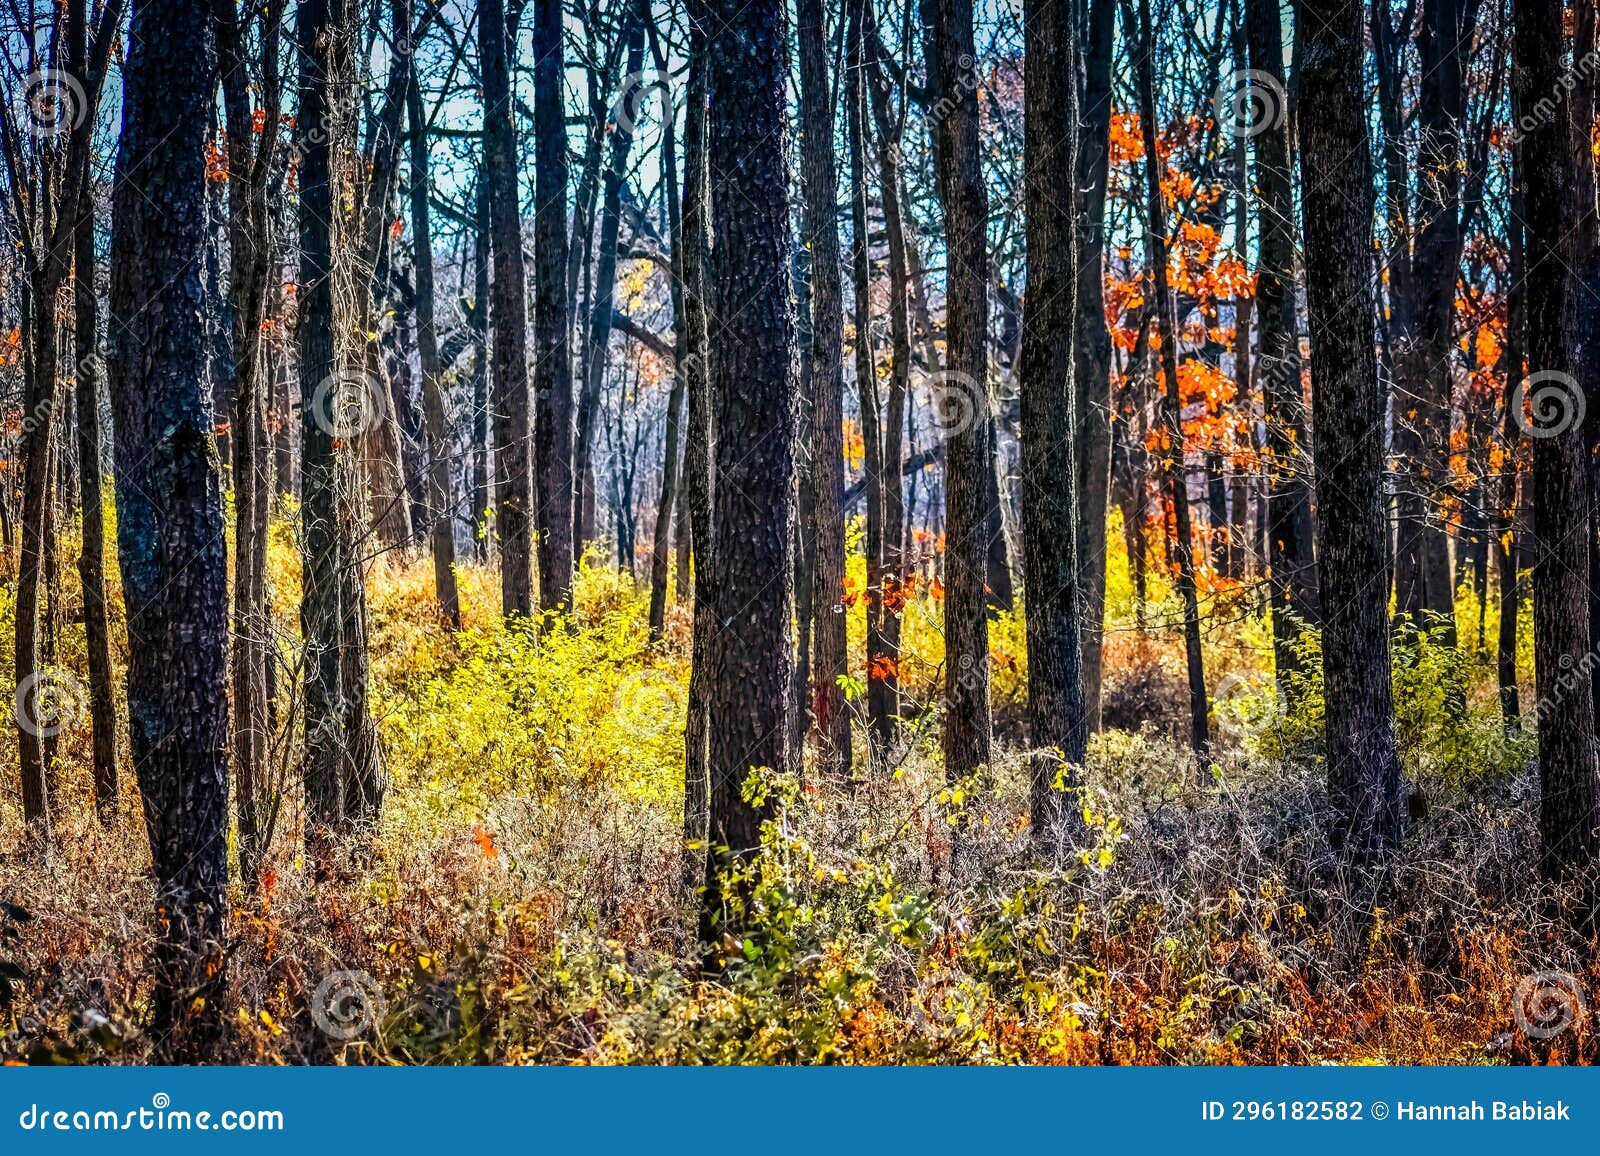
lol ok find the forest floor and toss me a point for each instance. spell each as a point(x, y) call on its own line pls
point(522, 899)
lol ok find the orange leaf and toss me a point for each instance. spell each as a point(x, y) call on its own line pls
point(485, 842)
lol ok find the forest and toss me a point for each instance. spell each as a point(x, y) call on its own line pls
point(844, 532)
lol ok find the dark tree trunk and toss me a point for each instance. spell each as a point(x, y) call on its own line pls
point(670, 500)
point(552, 353)
point(1091, 375)
point(1569, 807)
point(1290, 554)
point(441, 528)
point(251, 264)
point(894, 578)
point(1049, 485)
point(1348, 407)
point(1509, 588)
point(1171, 405)
point(169, 499)
point(91, 456)
point(508, 316)
point(961, 392)
point(482, 452)
point(341, 760)
point(604, 296)
point(754, 388)
point(698, 465)
point(824, 391)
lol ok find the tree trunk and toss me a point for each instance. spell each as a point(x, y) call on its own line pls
point(825, 390)
point(552, 353)
point(753, 387)
point(1569, 780)
point(1171, 405)
point(1290, 560)
point(895, 581)
point(1348, 408)
point(1091, 375)
point(441, 528)
point(604, 295)
point(508, 316)
point(169, 498)
point(1049, 485)
point(962, 397)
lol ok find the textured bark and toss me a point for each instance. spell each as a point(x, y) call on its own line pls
point(508, 317)
point(969, 467)
point(698, 481)
point(1569, 780)
point(1091, 350)
point(1509, 588)
point(753, 389)
point(601, 303)
point(670, 501)
point(251, 264)
point(441, 529)
point(342, 777)
point(552, 329)
point(1171, 406)
point(169, 499)
point(1049, 484)
point(825, 390)
point(1290, 557)
point(1348, 406)
point(867, 400)
point(89, 369)
point(894, 577)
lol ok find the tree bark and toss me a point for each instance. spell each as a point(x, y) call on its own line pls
point(962, 394)
point(169, 499)
point(754, 389)
point(824, 391)
point(552, 329)
point(1049, 483)
point(508, 317)
point(441, 528)
point(1291, 562)
point(1569, 778)
point(1171, 404)
point(1348, 407)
